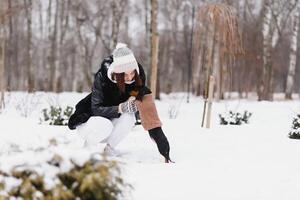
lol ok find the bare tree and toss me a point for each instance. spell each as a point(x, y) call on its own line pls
point(217, 41)
point(117, 7)
point(29, 50)
point(267, 61)
point(3, 15)
point(48, 52)
point(61, 24)
point(293, 55)
point(275, 17)
point(12, 68)
point(112, 15)
point(54, 65)
point(10, 46)
point(173, 13)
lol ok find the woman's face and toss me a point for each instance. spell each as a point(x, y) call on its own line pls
point(129, 75)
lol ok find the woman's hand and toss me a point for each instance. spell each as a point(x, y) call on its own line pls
point(128, 106)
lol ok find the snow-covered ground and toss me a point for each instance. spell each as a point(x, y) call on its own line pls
point(256, 161)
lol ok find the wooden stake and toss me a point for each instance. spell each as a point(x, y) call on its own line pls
point(204, 112)
point(210, 98)
point(205, 96)
point(154, 60)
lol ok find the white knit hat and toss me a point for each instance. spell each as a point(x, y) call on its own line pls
point(123, 59)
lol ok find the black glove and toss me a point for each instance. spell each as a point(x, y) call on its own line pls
point(142, 91)
point(77, 119)
point(162, 142)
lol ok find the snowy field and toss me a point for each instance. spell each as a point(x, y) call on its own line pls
point(256, 161)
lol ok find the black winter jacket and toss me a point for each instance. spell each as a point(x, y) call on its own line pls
point(105, 96)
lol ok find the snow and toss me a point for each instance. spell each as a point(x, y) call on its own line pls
point(252, 161)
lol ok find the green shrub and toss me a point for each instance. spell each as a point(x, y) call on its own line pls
point(57, 116)
point(32, 184)
point(295, 130)
point(94, 180)
point(234, 118)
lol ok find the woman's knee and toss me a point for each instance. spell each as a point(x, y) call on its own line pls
point(98, 126)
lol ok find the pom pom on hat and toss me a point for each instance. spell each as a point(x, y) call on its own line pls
point(123, 59)
point(121, 45)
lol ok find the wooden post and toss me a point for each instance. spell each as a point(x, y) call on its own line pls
point(154, 66)
point(210, 98)
point(154, 46)
point(205, 96)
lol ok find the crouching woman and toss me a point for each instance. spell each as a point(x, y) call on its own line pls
point(118, 92)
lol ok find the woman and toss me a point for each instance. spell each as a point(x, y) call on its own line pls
point(118, 92)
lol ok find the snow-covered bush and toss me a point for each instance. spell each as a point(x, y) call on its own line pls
point(173, 112)
point(295, 130)
point(95, 179)
point(234, 118)
point(25, 104)
point(175, 101)
point(56, 116)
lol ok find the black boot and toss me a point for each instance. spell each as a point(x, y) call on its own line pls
point(162, 142)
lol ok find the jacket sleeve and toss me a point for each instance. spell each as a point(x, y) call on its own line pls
point(97, 107)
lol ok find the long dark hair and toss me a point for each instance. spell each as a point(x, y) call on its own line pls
point(119, 77)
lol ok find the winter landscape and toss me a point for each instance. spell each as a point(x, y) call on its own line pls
point(149, 100)
point(251, 161)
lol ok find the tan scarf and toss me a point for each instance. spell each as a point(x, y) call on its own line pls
point(148, 113)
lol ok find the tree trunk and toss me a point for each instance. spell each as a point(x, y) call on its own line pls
point(48, 79)
point(210, 56)
point(43, 50)
point(54, 52)
point(224, 80)
point(154, 46)
point(115, 25)
point(13, 73)
point(218, 71)
point(75, 74)
point(10, 49)
point(2, 61)
point(62, 25)
point(147, 28)
point(293, 56)
point(126, 36)
point(147, 41)
point(2, 54)
point(83, 57)
point(118, 7)
point(266, 79)
point(30, 71)
point(199, 69)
